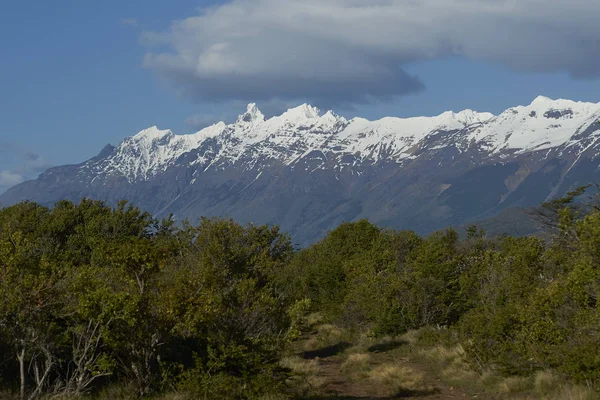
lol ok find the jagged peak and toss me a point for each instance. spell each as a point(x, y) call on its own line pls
point(543, 102)
point(212, 127)
point(152, 133)
point(106, 151)
point(466, 117)
point(469, 116)
point(252, 115)
point(302, 112)
point(545, 106)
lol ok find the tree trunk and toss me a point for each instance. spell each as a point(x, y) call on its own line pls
point(21, 358)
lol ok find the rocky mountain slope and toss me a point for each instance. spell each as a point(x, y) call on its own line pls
point(308, 171)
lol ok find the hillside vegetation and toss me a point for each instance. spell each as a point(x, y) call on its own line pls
point(111, 303)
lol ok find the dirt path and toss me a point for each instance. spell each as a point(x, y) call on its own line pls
point(344, 386)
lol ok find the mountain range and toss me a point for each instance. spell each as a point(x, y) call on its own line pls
point(309, 171)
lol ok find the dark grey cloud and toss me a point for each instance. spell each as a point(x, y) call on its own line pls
point(343, 52)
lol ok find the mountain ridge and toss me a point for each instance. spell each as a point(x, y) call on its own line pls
point(307, 170)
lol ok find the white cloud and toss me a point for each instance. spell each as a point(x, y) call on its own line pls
point(9, 178)
point(349, 51)
point(19, 164)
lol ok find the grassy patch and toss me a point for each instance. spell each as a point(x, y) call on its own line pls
point(274, 397)
point(357, 363)
point(305, 374)
point(546, 383)
point(399, 378)
point(329, 340)
point(575, 393)
point(444, 355)
point(515, 384)
point(314, 319)
point(329, 334)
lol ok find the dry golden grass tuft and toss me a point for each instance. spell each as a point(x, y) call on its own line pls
point(314, 319)
point(412, 336)
point(455, 370)
point(361, 343)
point(459, 373)
point(299, 366)
point(444, 355)
point(515, 384)
point(175, 396)
point(305, 374)
point(490, 380)
point(311, 344)
point(357, 362)
point(546, 383)
point(397, 377)
point(275, 396)
point(329, 334)
point(574, 393)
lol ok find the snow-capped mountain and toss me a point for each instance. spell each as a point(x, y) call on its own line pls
point(286, 138)
point(309, 170)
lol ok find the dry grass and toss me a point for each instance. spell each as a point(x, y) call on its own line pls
point(311, 344)
point(397, 377)
point(459, 373)
point(490, 380)
point(305, 374)
point(357, 362)
point(455, 370)
point(575, 393)
point(314, 319)
point(361, 343)
point(299, 366)
point(329, 334)
point(117, 392)
point(412, 336)
point(444, 355)
point(515, 384)
point(551, 387)
point(546, 383)
point(274, 396)
point(175, 396)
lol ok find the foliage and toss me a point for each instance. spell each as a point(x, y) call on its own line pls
point(518, 305)
point(93, 297)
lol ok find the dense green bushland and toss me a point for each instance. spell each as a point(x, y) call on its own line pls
point(93, 298)
point(518, 305)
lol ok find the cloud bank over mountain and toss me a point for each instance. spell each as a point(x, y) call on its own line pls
point(344, 52)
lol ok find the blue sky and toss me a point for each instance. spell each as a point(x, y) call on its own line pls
point(76, 75)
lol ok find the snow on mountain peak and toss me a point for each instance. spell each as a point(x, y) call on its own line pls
point(252, 115)
point(541, 101)
point(470, 117)
point(152, 133)
point(543, 104)
point(544, 124)
point(300, 114)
